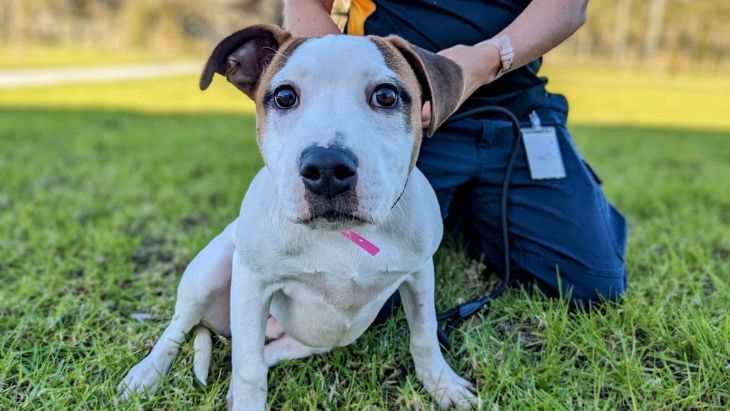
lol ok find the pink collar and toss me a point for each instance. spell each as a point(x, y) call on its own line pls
point(361, 241)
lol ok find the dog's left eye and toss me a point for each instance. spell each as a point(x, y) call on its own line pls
point(385, 96)
point(285, 97)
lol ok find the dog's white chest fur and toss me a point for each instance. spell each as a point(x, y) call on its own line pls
point(328, 309)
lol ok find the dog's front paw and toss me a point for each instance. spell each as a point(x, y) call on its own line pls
point(245, 399)
point(448, 388)
point(142, 378)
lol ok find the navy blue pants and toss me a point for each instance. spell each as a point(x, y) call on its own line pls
point(565, 237)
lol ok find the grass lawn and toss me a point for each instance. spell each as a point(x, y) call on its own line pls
point(45, 57)
point(108, 192)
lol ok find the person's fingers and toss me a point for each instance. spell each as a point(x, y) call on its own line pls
point(426, 115)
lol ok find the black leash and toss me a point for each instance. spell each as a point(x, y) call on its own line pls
point(457, 315)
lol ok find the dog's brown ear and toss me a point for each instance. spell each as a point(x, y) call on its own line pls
point(243, 56)
point(441, 79)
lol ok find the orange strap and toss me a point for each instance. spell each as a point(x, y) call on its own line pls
point(360, 10)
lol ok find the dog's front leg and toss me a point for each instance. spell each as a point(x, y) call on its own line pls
point(250, 301)
point(444, 385)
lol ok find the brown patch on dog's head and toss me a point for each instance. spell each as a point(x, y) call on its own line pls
point(441, 80)
point(428, 76)
point(249, 58)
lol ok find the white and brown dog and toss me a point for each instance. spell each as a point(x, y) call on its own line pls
point(339, 128)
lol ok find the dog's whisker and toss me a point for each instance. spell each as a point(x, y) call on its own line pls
point(277, 52)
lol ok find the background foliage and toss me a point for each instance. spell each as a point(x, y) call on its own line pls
point(664, 34)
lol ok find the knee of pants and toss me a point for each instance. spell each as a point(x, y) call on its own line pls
point(582, 285)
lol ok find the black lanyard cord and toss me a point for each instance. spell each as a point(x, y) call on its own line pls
point(455, 316)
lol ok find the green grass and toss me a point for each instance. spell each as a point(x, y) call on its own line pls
point(165, 95)
point(629, 97)
point(597, 97)
point(21, 57)
point(102, 208)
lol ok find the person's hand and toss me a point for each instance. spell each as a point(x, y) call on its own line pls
point(479, 64)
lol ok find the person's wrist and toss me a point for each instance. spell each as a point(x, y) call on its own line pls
point(490, 63)
point(479, 64)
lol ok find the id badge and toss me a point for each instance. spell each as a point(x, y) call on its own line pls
point(543, 151)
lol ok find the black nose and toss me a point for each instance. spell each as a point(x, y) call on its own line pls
point(328, 171)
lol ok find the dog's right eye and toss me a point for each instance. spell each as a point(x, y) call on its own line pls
point(384, 96)
point(285, 97)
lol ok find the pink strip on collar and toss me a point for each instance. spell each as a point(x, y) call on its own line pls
point(361, 241)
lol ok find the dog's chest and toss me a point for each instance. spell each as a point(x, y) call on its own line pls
point(325, 309)
point(330, 298)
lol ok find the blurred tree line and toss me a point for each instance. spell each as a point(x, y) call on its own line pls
point(667, 34)
point(161, 26)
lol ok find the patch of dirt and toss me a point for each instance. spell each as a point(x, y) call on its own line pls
point(158, 252)
point(190, 222)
